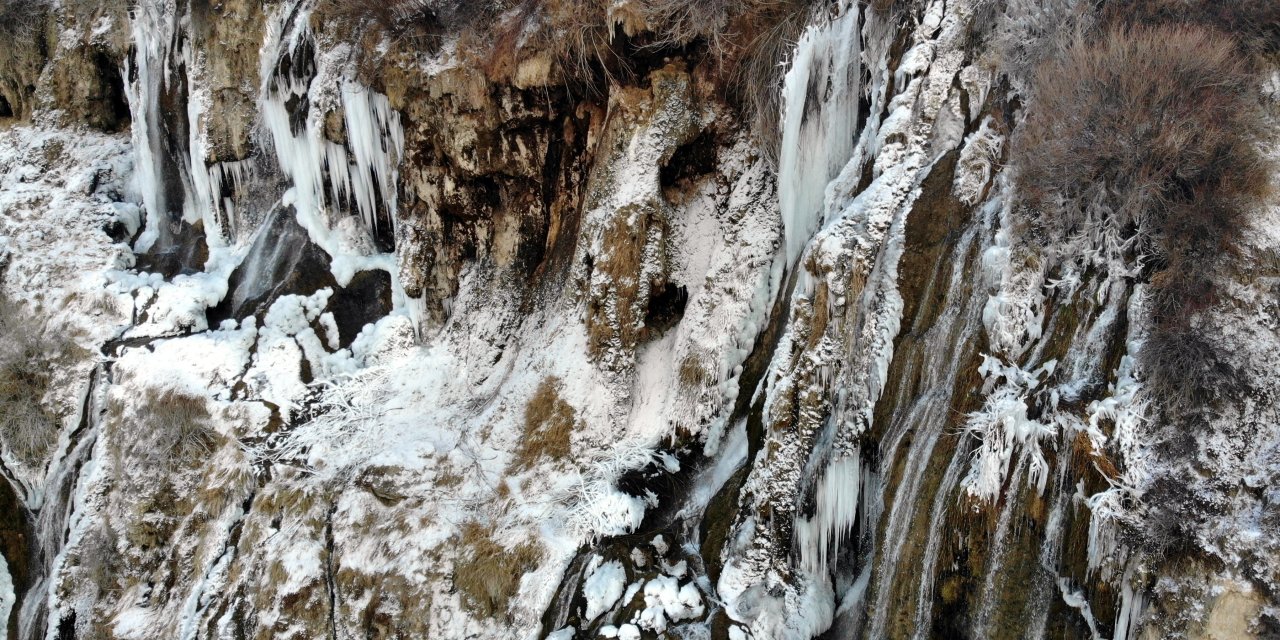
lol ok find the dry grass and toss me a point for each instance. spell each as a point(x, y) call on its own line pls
point(1151, 131)
point(548, 427)
point(488, 574)
point(694, 373)
point(28, 355)
point(173, 429)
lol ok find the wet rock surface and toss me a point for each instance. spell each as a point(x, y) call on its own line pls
point(404, 341)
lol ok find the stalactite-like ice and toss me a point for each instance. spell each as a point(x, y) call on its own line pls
point(819, 120)
point(835, 514)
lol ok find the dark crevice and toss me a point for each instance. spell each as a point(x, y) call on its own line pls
point(114, 113)
point(328, 574)
point(665, 309)
point(691, 161)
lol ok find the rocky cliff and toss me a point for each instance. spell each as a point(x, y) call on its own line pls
point(639, 319)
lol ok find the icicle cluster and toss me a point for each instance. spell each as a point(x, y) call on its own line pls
point(819, 120)
point(834, 516)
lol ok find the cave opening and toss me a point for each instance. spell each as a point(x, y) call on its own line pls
point(115, 114)
point(666, 307)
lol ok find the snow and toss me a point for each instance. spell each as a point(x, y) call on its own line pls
point(566, 633)
point(7, 597)
point(603, 587)
point(666, 601)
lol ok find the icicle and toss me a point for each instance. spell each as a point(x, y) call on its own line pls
point(1133, 604)
point(376, 142)
point(834, 516)
point(819, 119)
point(237, 174)
point(328, 177)
point(153, 33)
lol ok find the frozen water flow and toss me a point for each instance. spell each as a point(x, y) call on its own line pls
point(820, 95)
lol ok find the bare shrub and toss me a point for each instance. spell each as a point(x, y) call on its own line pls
point(22, 18)
point(580, 34)
point(1149, 131)
point(548, 426)
point(1254, 24)
point(681, 22)
point(488, 574)
point(1127, 125)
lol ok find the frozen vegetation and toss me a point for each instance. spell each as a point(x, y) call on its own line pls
point(423, 319)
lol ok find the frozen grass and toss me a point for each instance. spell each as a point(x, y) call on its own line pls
point(548, 426)
point(28, 356)
point(170, 428)
point(488, 575)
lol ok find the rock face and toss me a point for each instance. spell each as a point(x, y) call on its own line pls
point(452, 321)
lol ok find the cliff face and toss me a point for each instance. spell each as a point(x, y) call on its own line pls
point(340, 319)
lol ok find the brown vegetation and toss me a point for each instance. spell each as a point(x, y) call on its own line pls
point(168, 428)
point(27, 359)
point(180, 424)
point(548, 427)
point(1254, 24)
point(488, 575)
point(1150, 130)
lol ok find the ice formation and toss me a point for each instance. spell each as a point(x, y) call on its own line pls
point(691, 392)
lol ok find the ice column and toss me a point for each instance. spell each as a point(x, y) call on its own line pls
point(819, 120)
